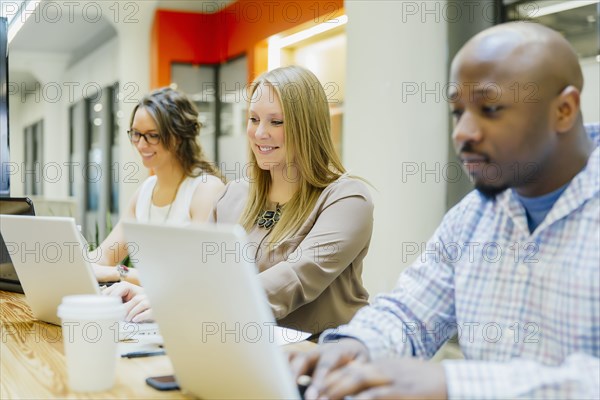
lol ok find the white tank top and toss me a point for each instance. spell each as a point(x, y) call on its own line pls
point(145, 211)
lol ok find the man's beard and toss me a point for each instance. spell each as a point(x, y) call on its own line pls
point(490, 192)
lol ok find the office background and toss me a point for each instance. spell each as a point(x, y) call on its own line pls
point(77, 69)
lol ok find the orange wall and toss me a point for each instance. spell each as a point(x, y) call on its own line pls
point(240, 28)
point(181, 37)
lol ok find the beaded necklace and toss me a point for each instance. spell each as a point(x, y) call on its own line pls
point(267, 219)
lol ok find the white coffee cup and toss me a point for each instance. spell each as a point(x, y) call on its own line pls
point(90, 327)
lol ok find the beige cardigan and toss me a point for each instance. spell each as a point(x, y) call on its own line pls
point(312, 279)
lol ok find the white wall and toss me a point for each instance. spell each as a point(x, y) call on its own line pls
point(384, 133)
point(133, 71)
point(97, 70)
point(590, 97)
point(39, 97)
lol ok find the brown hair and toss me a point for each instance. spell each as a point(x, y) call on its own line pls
point(177, 120)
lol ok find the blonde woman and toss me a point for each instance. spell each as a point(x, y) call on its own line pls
point(309, 221)
point(164, 129)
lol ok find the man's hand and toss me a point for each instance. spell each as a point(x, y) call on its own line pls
point(325, 358)
point(404, 378)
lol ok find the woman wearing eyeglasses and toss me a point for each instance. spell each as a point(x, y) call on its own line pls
point(164, 129)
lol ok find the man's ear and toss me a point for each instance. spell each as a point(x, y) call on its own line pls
point(567, 108)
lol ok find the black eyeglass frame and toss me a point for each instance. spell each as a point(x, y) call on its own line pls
point(147, 137)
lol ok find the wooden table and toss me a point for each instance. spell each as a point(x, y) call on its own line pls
point(33, 364)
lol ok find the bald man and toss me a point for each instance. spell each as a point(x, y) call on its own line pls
point(514, 268)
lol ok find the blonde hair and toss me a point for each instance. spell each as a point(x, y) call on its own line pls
point(307, 138)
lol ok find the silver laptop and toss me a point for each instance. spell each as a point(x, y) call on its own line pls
point(213, 313)
point(52, 261)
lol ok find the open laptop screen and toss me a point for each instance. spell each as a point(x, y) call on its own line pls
point(11, 206)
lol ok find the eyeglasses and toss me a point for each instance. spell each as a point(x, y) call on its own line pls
point(135, 137)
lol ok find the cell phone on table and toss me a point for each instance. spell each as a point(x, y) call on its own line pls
point(166, 382)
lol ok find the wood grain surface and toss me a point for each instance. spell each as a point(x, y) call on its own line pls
point(33, 365)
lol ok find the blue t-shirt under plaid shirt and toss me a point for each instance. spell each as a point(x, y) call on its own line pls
point(525, 306)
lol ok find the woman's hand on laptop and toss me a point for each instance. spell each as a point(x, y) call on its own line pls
point(105, 273)
point(137, 306)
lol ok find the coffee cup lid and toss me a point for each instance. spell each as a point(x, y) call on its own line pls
point(91, 307)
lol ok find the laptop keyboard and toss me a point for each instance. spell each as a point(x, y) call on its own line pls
point(133, 330)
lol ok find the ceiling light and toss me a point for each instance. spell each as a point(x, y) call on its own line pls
point(533, 10)
point(276, 43)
